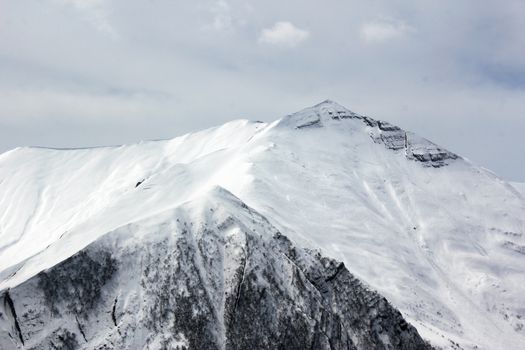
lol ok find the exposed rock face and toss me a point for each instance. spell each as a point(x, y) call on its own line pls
point(416, 148)
point(391, 136)
point(226, 282)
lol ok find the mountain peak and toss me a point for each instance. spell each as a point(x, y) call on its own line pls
point(330, 103)
point(330, 108)
point(152, 244)
point(317, 115)
point(330, 113)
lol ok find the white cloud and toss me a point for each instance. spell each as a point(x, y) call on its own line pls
point(95, 12)
point(195, 50)
point(283, 34)
point(384, 29)
point(222, 17)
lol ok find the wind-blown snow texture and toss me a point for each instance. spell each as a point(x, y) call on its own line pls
point(139, 246)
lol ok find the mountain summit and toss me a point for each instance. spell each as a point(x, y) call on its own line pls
point(329, 113)
point(325, 229)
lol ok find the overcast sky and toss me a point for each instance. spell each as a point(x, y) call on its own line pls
point(97, 72)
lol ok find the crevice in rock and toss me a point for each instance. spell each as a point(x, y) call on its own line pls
point(81, 329)
point(239, 287)
point(339, 268)
point(113, 316)
point(8, 302)
point(305, 275)
point(330, 345)
point(316, 122)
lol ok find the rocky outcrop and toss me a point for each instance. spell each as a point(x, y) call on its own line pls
point(392, 137)
point(231, 281)
point(415, 148)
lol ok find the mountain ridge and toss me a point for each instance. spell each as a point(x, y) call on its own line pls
point(307, 296)
point(439, 237)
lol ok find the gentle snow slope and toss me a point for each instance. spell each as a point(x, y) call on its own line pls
point(520, 186)
point(442, 239)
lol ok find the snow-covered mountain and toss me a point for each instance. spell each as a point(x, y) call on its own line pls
point(260, 235)
point(520, 186)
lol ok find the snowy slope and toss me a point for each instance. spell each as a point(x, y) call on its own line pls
point(209, 274)
point(440, 238)
point(520, 186)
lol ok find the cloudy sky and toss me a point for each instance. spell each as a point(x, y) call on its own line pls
point(98, 72)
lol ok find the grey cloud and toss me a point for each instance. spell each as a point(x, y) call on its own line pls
point(453, 71)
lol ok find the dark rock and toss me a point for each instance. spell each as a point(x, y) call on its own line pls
point(232, 287)
point(77, 282)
